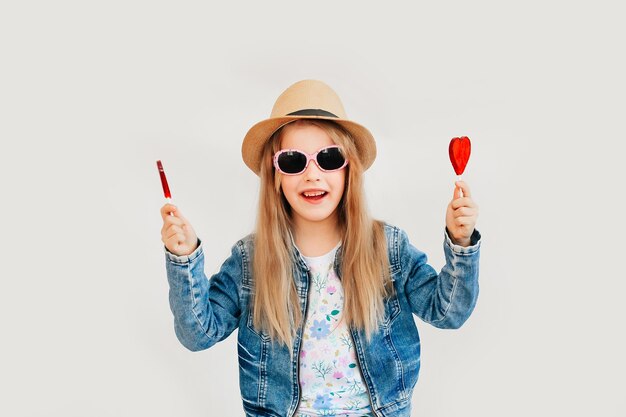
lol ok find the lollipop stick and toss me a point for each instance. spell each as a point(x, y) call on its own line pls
point(458, 178)
point(169, 201)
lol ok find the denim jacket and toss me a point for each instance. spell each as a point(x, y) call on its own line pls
point(207, 311)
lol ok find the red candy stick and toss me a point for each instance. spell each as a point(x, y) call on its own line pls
point(459, 150)
point(166, 188)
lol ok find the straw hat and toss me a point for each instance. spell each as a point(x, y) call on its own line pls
point(307, 99)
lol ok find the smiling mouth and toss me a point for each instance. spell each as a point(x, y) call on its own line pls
point(314, 195)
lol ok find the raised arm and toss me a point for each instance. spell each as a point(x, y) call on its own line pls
point(205, 310)
point(447, 299)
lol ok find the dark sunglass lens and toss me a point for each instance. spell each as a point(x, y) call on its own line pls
point(291, 162)
point(330, 158)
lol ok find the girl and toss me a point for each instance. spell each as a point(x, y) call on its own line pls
point(322, 296)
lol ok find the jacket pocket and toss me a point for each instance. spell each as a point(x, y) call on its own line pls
point(250, 325)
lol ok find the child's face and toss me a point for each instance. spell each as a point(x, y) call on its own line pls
point(301, 190)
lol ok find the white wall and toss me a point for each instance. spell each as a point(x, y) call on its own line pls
point(91, 95)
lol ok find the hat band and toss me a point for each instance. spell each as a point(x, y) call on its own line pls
point(313, 112)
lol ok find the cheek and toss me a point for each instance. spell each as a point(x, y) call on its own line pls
point(287, 185)
point(340, 183)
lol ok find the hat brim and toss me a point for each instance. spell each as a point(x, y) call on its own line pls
point(260, 133)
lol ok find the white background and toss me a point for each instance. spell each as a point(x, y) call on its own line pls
point(93, 93)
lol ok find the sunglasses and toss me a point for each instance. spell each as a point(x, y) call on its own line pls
point(294, 162)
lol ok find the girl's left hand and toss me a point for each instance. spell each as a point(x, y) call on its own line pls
point(461, 215)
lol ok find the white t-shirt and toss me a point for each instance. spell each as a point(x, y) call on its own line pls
point(330, 379)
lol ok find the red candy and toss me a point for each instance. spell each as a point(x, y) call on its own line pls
point(460, 149)
point(166, 188)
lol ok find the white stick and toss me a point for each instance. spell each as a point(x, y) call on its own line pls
point(458, 178)
point(169, 201)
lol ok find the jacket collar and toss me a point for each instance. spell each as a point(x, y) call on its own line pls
point(301, 263)
point(299, 260)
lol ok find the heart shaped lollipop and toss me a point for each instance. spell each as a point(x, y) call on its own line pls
point(460, 149)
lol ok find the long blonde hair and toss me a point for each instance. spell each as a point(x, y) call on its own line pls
point(365, 265)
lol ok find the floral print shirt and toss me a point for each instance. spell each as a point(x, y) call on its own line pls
point(330, 379)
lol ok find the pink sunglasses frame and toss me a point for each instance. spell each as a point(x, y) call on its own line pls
point(309, 158)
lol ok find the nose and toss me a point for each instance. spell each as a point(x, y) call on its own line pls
point(312, 172)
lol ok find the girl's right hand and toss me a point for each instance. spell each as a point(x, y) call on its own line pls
point(177, 233)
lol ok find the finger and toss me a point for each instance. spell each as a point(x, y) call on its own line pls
point(172, 241)
point(464, 221)
point(177, 213)
point(172, 220)
point(463, 185)
point(174, 212)
point(456, 194)
point(177, 220)
point(463, 212)
point(463, 202)
point(469, 209)
point(176, 239)
point(167, 209)
point(173, 230)
point(167, 231)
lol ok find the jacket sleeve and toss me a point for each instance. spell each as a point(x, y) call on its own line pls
point(447, 299)
point(205, 311)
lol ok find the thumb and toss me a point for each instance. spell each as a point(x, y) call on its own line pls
point(172, 210)
point(456, 193)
